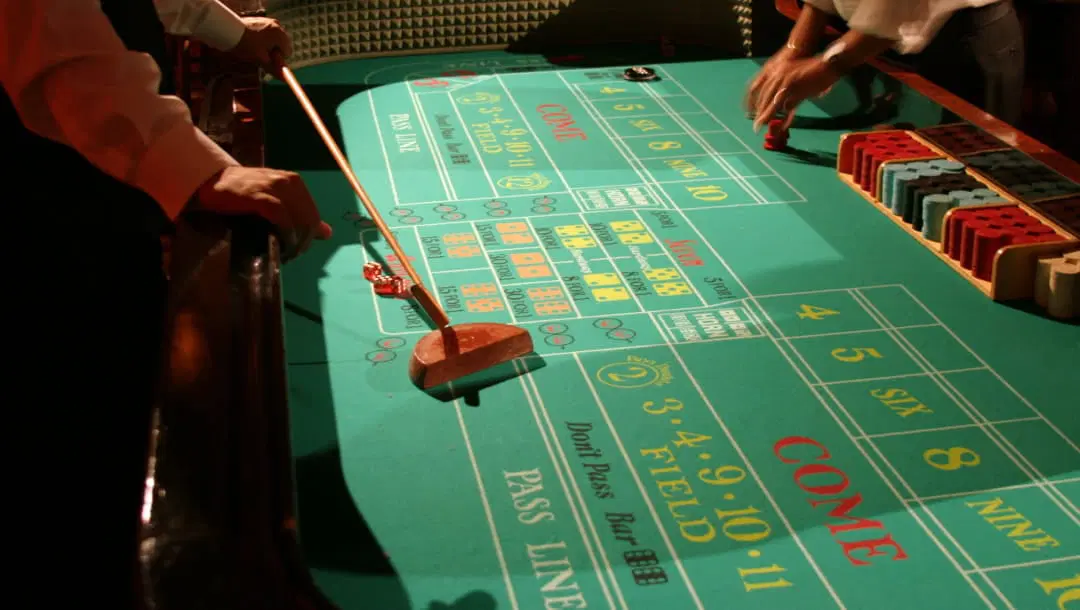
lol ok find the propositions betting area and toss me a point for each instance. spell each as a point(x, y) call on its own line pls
point(678, 441)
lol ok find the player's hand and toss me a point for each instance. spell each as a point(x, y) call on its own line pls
point(782, 90)
point(773, 70)
point(261, 38)
point(278, 196)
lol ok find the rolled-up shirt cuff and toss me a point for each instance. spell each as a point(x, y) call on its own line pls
point(177, 164)
point(222, 28)
point(822, 5)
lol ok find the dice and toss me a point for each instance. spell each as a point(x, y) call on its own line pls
point(390, 286)
point(372, 271)
point(385, 285)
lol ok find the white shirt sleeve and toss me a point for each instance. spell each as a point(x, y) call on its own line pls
point(888, 19)
point(72, 80)
point(210, 21)
point(827, 6)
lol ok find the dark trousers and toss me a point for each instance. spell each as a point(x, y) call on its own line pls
point(85, 300)
point(979, 56)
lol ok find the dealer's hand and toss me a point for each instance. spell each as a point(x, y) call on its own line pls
point(261, 37)
point(278, 196)
point(783, 84)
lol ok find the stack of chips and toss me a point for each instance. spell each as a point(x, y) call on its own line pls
point(975, 235)
point(1065, 212)
point(961, 139)
point(873, 149)
point(921, 192)
point(1022, 175)
point(777, 137)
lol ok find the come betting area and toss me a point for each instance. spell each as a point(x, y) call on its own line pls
point(751, 387)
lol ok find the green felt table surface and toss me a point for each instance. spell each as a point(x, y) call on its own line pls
point(750, 389)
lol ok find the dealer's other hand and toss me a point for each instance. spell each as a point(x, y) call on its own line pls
point(278, 196)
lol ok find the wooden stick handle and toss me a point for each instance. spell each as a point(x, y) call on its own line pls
point(420, 293)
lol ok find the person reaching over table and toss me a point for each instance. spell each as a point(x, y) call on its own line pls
point(99, 163)
point(972, 48)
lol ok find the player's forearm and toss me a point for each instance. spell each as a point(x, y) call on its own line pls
point(808, 30)
point(72, 80)
point(209, 21)
point(854, 49)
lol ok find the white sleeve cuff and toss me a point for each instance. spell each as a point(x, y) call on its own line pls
point(822, 5)
point(177, 164)
point(884, 18)
point(221, 29)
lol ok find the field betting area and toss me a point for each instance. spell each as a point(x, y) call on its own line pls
point(750, 389)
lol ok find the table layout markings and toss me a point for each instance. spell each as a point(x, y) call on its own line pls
point(799, 355)
point(670, 257)
point(554, 267)
point(670, 113)
point(453, 83)
point(985, 425)
point(427, 266)
point(487, 507)
point(993, 372)
point(888, 377)
point(647, 179)
point(873, 463)
point(1028, 564)
point(938, 376)
point(726, 178)
point(485, 200)
point(689, 156)
point(607, 128)
point(382, 146)
point(472, 144)
point(612, 258)
point(674, 133)
point(960, 494)
point(716, 155)
point(601, 122)
point(577, 506)
point(753, 472)
point(799, 293)
point(625, 116)
point(494, 274)
point(750, 298)
point(615, 268)
point(973, 413)
point(856, 332)
point(706, 110)
point(641, 486)
point(371, 291)
point(940, 428)
point(440, 167)
point(469, 270)
point(627, 98)
point(1006, 446)
point(528, 125)
point(914, 497)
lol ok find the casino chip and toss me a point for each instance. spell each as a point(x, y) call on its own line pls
point(640, 73)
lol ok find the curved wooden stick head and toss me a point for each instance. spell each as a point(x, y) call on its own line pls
point(457, 351)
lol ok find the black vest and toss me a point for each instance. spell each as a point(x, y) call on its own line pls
point(57, 184)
